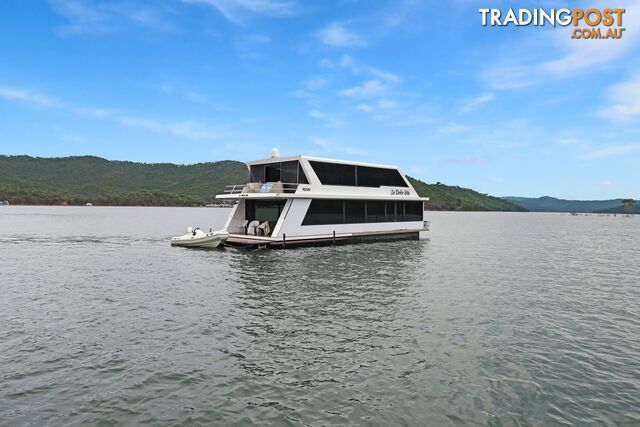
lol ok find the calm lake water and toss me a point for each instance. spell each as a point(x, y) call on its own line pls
point(492, 318)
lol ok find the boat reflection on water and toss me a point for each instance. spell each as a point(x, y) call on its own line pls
point(361, 282)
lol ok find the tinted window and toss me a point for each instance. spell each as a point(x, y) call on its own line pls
point(334, 173)
point(302, 178)
point(376, 211)
point(413, 211)
point(324, 212)
point(287, 172)
point(400, 211)
point(391, 211)
point(361, 176)
point(272, 172)
point(257, 173)
point(376, 177)
point(357, 211)
point(354, 211)
point(290, 172)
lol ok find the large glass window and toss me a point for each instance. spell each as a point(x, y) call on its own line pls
point(377, 177)
point(286, 172)
point(335, 173)
point(257, 173)
point(376, 211)
point(355, 211)
point(391, 211)
point(302, 178)
point(272, 172)
point(324, 212)
point(413, 211)
point(361, 176)
point(289, 172)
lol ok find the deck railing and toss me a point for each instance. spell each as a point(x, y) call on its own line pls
point(258, 187)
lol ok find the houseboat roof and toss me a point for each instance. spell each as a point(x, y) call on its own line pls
point(318, 159)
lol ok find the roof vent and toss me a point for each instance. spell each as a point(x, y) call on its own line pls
point(275, 152)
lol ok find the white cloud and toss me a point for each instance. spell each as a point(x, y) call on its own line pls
point(320, 142)
point(508, 76)
point(87, 17)
point(465, 160)
point(385, 75)
point(98, 113)
point(505, 134)
point(387, 104)
point(625, 100)
point(327, 119)
point(471, 104)
point(235, 10)
point(585, 55)
point(316, 83)
point(257, 39)
point(357, 69)
point(190, 129)
point(453, 128)
point(186, 94)
point(380, 107)
point(338, 35)
point(568, 141)
point(367, 89)
point(612, 151)
point(365, 108)
point(374, 93)
point(349, 63)
point(23, 95)
point(607, 183)
point(330, 147)
point(185, 129)
point(555, 55)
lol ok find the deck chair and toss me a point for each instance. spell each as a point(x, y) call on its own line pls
point(252, 228)
point(264, 229)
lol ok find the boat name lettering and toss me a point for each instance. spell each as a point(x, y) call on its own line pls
point(399, 192)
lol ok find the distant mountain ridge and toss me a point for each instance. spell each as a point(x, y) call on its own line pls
point(552, 204)
point(88, 179)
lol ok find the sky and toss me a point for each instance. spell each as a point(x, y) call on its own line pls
point(509, 111)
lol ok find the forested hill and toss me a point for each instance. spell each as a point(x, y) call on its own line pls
point(452, 198)
point(79, 180)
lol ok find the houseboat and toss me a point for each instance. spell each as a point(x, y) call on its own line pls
point(302, 200)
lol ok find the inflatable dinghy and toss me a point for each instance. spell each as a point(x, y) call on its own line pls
point(196, 238)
